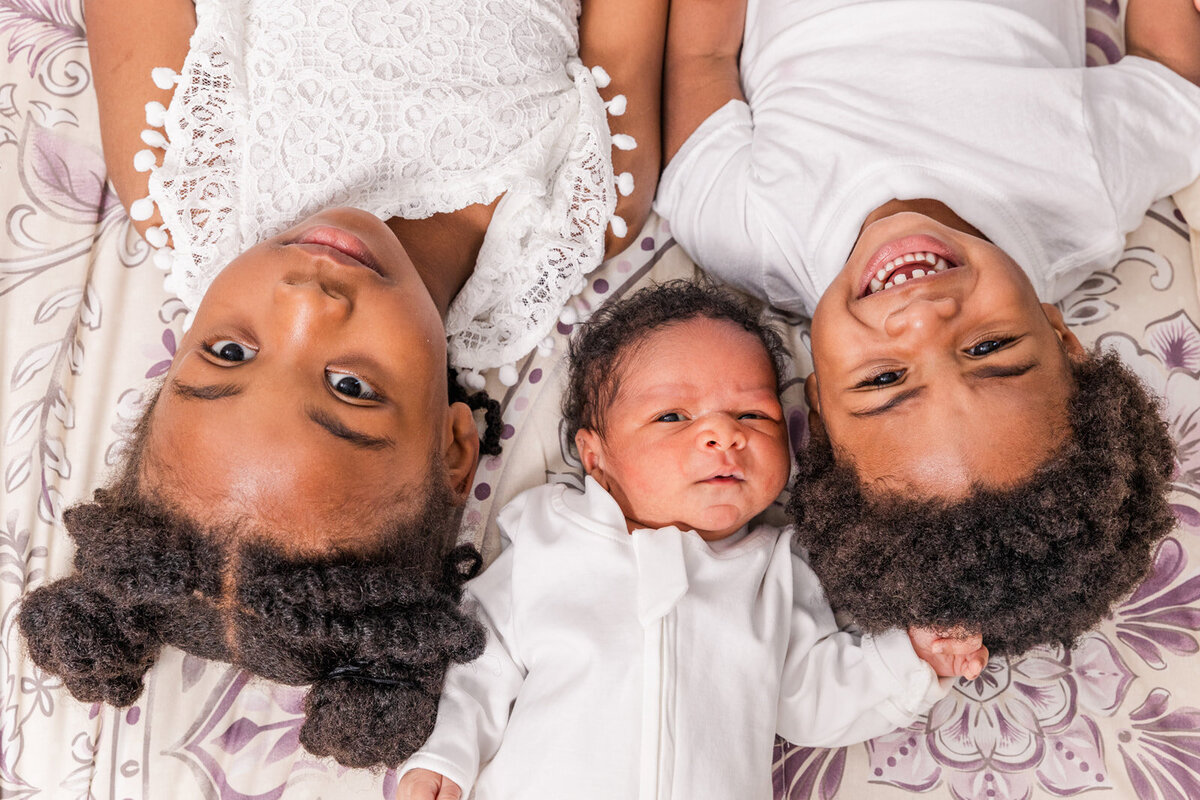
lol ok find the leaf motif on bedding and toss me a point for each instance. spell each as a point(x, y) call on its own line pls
point(64, 178)
point(62, 299)
point(32, 362)
point(54, 456)
point(16, 473)
point(39, 29)
point(21, 423)
point(63, 409)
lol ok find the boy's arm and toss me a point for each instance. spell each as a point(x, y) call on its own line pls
point(626, 39)
point(126, 40)
point(704, 38)
point(1166, 31)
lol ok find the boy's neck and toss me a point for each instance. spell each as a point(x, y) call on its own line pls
point(934, 209)
point(444, 248)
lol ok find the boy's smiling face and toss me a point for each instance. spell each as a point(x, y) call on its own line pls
point(695, 436)
point(941, 381)
point(309, 395)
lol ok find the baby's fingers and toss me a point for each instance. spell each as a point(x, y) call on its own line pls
point(423, 784)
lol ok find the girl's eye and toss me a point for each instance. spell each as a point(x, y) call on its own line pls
point(987, 347)
point(229, 350)
point(670, 416)
point(351, 386)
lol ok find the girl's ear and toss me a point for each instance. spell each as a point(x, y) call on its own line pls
point(813, 398)
point(460, 449)
point(1070, 341)
point(591, 455)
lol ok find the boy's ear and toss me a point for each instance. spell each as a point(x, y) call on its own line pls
point(591, 455)
point(460, 449)
point(813, 399)
point(1070, 341)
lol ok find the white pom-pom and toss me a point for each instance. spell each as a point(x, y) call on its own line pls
point(141, 209)
point(154, 139)
point(474, 380)
point(619, 227)
point(601, 76)
point(164, 259)
point(171, 283)
point(156, 236)
point(143, 160)
point(623, 141)
point(569, 316)
point(578, 285)
point(546, 346)
point(508, 375)
point(156, 114)
point(625, 184)
point(616, 106)
point(164, 77)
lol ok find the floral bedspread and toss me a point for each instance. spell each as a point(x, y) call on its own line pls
point(85, 326)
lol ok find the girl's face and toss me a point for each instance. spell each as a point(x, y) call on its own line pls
point(309, 395)
point(943, 381)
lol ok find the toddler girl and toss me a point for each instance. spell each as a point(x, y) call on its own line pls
point(644, 639)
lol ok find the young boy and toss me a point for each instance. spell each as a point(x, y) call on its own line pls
point(643, 640)
point(924, 177)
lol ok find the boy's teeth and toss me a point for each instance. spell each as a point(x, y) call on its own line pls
point(882, 277)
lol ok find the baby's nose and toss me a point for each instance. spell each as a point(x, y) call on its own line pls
point(721, 431)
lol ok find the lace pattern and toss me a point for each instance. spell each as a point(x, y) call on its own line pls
point(403, 109)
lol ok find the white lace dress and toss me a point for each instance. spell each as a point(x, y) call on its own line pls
point(404, 109)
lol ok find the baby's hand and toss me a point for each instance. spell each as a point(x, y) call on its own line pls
point(951, 653)
point(422, 784)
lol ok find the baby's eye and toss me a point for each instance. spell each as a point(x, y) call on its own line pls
point(986, 347)
point(229, 350)
point(351, 386)
point(752, 415)
point(670, 416)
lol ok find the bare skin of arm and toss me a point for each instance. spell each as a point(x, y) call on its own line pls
point(626, 38)
point(704, 38)
point(126, 40)
point(1166, 31)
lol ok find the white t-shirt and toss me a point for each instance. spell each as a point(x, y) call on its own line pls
point(287, 107)
point(982, 104)
point(652, 665)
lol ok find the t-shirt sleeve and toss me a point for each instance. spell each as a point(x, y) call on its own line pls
point(1144, 122)
point(706, 194)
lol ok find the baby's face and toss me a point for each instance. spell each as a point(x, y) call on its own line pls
point(310, 391)
point(695, 436)
point(941, 381)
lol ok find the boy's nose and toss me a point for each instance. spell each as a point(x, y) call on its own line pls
point(921, 314)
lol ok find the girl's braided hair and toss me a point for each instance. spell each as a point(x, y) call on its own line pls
point(372, 630)
point(1038, 563)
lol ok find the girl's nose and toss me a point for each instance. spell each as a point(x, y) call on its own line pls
point(921, 315)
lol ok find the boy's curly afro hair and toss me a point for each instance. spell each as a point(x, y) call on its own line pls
point(614, 332)
point(372, 630)
point(1035, 564)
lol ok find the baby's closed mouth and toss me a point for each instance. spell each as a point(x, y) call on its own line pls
point(725, 476)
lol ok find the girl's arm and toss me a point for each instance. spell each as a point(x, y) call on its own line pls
point(1166, 31)
point(626, 38)
point(126, 40)
point(701, 74)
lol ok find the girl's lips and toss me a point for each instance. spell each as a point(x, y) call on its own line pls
point(920, 243)
point(344, 242)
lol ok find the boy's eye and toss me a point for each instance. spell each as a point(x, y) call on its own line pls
point(351, 385)
point(986, 347)
point(882, 379)
point(670, 416)
point(229, 350)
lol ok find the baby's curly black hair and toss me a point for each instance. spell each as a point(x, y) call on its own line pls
point(372, 630)
point(1039, 563)
point(612, 335)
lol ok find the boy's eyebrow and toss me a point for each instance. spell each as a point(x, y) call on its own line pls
point(893, 401)
point(216, 391)
point(357, 438)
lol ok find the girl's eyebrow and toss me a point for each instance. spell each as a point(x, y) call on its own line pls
point(216, 391)
point(357, 438)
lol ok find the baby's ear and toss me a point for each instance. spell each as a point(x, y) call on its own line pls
point(460, 448)
point(591, 454)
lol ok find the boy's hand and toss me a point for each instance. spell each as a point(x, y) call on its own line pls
point(952, 653)
point(422, 784)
